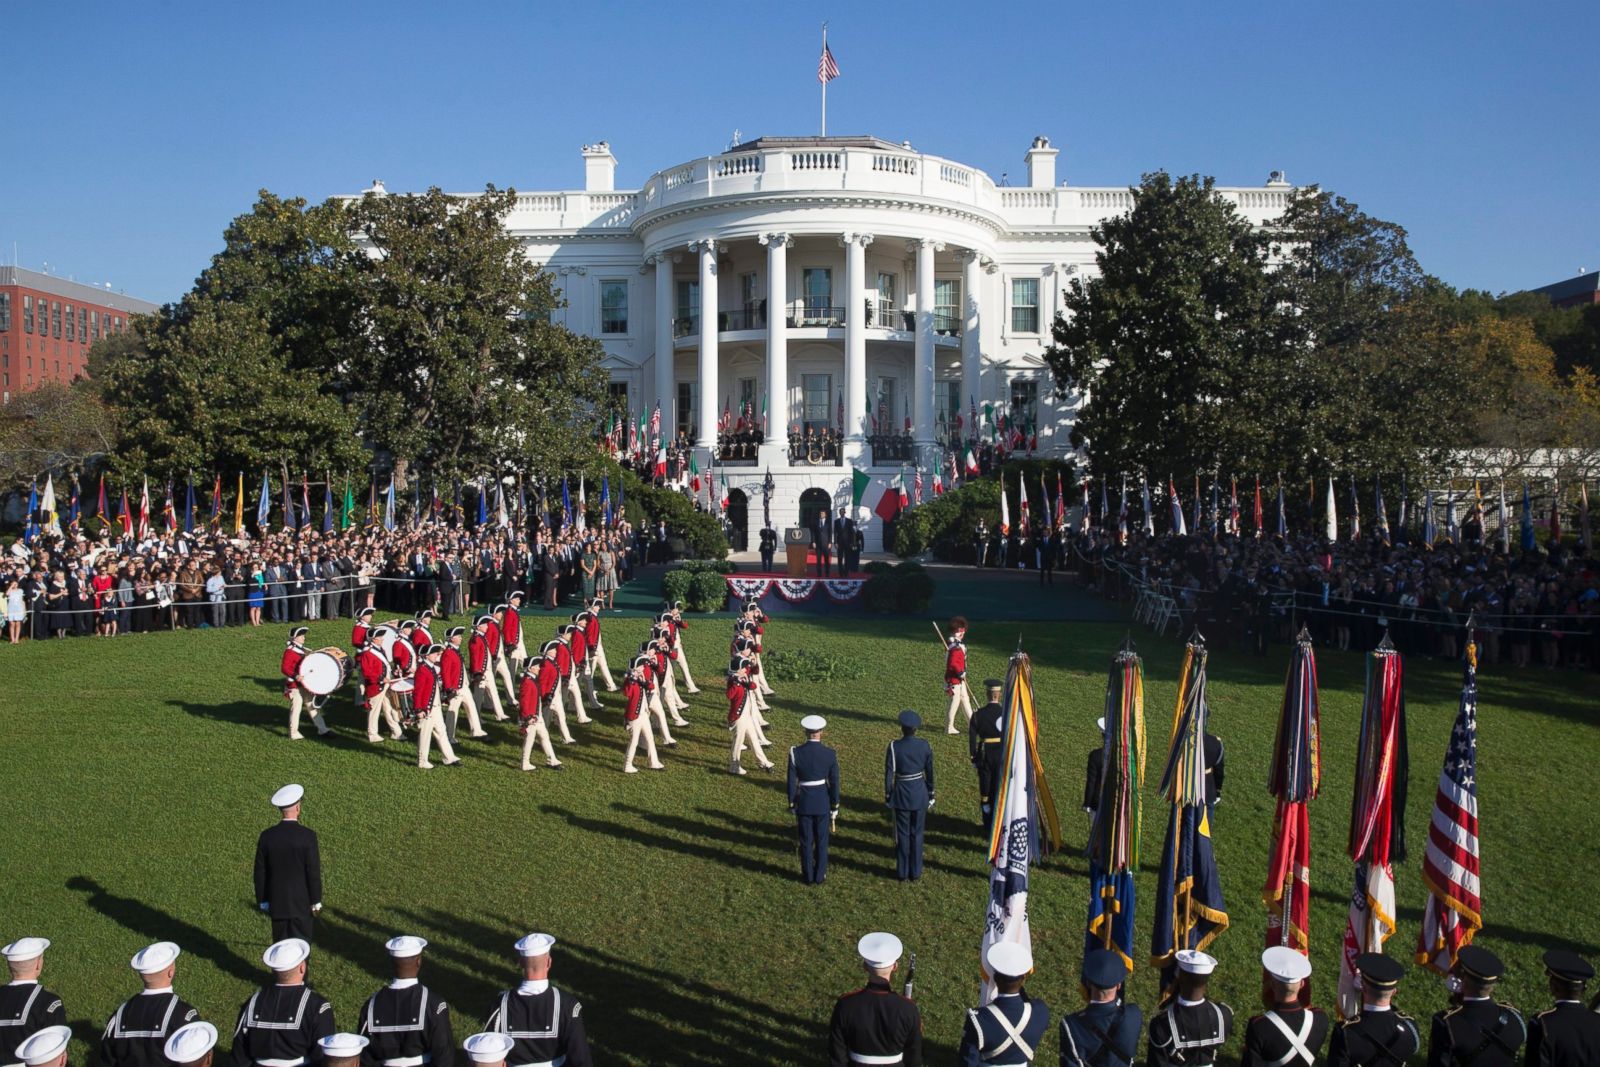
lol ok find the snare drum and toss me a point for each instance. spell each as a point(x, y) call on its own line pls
point(403, 686)
point(322, 672)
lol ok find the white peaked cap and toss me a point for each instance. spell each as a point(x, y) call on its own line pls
point(44, 1045)
point(288, 796)
point(1009, 958)
point(1195, 962)
point(24, 949)
point(880, 949)
point(343, 1046)
point(813, 723)
point(488, 1048)
point(1285, 964)
point(190, 1041)
point(535, 945)
point(405, 945)
point(1102, 724)
point(287, 954)
point(156, 957)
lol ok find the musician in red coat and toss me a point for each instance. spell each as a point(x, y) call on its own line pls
point(636, 715)
point(427, 708)
point(654, 668)
point(582, 665)
point(376, 673)
point(421, 638)
point(457, 690)
point(511, 632)
point(403, 653)
point(358, 633)
point(955, 673)
point(538, 681)
point(297, 695)
point(661, 649)
point(497, 652)
point(480, 663)
point(675, 616)
point(742, 721)
point(591, 630)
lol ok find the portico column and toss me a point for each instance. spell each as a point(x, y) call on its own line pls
point(777, 427)
point(855, 334)
point(707, 417)
point(922, 391)
point(971, 331)
point(666, 347)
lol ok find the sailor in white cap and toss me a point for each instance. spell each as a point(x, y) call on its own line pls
point(46, 1047)
point(487, 1050)
point(1290, 1033)
point(875, 1024)
point(406, 1022)
point(289, 869)
point(26, 1007)
point(1008, 1029)
point(545, 1024)
point(813, 797)
point(140, 1027)
point(280, 1024)
point(191, 1045)
point(1190, 1030)
point(342, 1049)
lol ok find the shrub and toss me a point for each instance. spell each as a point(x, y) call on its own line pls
point(675, 586)
point(711, 566)
point(804, 665)
point(906, 589)
point(701, 588)
point(702, 533)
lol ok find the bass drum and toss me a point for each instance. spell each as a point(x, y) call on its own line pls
point(322, 672)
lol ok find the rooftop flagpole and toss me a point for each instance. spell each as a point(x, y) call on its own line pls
point(822, 76)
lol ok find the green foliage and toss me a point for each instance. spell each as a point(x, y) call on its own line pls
point(56, 429)
point(945, 523)
point(702, 533)
point(701, 590)
point(806, 665)
point(905, 590)
point(708, 566)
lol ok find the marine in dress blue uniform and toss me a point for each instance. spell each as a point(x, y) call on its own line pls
point(908, 790)
point(1009, 1028)
point(874, 1024)
point(1566, 1034)
point(813, 797)
point(1378, 1035)
point(1287, 1034)
point(1106, 1032)
point(1479, 1031)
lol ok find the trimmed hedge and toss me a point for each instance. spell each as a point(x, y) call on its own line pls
point(906, 589)
point(701, 588)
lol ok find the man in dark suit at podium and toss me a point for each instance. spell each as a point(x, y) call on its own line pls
point(822, 541)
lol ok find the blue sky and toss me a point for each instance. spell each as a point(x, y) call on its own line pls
point(136, 132)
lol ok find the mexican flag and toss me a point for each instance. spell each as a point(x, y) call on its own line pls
point(661, 462)
point(938, 476)
point(971, 459)
point(868, 492)
point(725, 497)
point(694, 474)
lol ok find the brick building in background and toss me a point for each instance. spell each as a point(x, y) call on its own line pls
point(47, 325)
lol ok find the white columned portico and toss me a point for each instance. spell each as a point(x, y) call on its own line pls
point(777, 428)
point(666, 358)
point(971, 332)
point(855, 338)
point(922, 391)
point(706, 418)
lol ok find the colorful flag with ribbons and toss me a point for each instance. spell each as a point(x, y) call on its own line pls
point(1114, 833)
point(1294, 779)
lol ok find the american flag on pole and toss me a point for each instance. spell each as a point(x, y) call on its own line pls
point(827, 69)
point(1450, 864)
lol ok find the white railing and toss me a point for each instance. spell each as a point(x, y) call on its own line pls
point(678, 178)
point(814, 160)
point(1105, 199)
point(955, 175)
point(1028, 198)
point(894, 164)
point(744, 163)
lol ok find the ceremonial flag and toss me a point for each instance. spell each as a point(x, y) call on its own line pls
point(1294, 778)
point(605, 500)
point(1405, 509)
point(483, 504)
point(655, 427)
point(215, 521)
point(1377, 817)
point(1144, 503)
point(388, 505)
point(1114, 834)
point(583, 504)
point(694, 474)
point(1355, 511)
point(1429, 533)
point(1122, 511)
point(327, 502)
point(101, 513)
point(870, 493)
point(1178, 528)
point(917, 495)
point(1382, 517)
point(661, 465)
point(305, 499)
point(188, 509)
point(1451, 530)
point(73, 505)
point(1528, 542)
point(1025, 827)
point(1216, 507)
point(1022, 502)
point(127, 514)
point(764, 416)
point(938, 474)
point(1330, 530)
point(1005, 510)
point(1583, 511)
point(30, 529)
point(1256, 513)
point(1233, 505)
point(1190, 911)
point(169, 510)
point(1061, 503)
point(1454, 912)
point(522, 501)
point(1505, 527)
point(288, 503)
point(1283, 517)
point(566, 502)
point(238, 506)
point(47, 506)
point(970, 459)
point(1198, 523)
point(144, 509)
point(347, 514)
point(1555, 516)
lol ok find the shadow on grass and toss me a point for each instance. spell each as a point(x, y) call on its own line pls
point(152, 924)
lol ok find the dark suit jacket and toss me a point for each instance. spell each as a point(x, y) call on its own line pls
point(288, 870)
point(822, 535)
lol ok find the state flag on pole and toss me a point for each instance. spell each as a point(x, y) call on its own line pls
point(870, 493)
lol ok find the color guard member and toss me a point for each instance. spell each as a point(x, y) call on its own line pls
point(1190, 1030)
point(405, 1023)
point(1377, 1035)
point(1287, 1034)
point(984, 734)
point(26, 1007)
point(1106, 1032)
point(280, 1024)
point(955, 673)
point(545, 1023)
point(1009, 1028)
point(908, 791)
point(813, 798)
point(1479, 1031)
point(1567, 1034)
point(138, 1031)
point(875, 1024)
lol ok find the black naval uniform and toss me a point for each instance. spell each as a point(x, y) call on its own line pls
point(1476, 1033)
point(1005, 1031)
point(1384, 1038)
point(984, 735)
point(1188, 1035)
point(406, 1025)
point(138, 1032)
point(1285, 1037)
point(280, 1025)
point(289, 877)
point(908, 790)
point(1102, 1035)
point(1567, 1035)
point(546, 1026)
point(25, 1009)
point(875, 1021)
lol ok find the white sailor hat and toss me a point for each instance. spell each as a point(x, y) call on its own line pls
point(1194, 961)
point(342, 1046)
point(24, 949)
point(288, 796)
point(1009, 959)
point(405, 945)
point(1102, 724)
point(190, 1041)
point(812, 723)
point(534, 945)
point(287, 954)
point(154, 958)
point(44, 1045)
point(488, 1048)
point(1285, 964)
point(880, 949)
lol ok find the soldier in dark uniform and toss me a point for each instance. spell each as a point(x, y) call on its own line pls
point(1377, 1035)
point(1287, 1034)
point(1214, 753)
point(1094, 775)
point(984, 734)
point(875, 1024)
point(1568, 1034)
point(813, 797)
point(1479, 1031)
point(908, 790)
point(26, 1007)
point(980, 544)
point(1106, 1032)
point(545, 1023)
point(138, 1031)
point(289, 869)
point(280, 1024)
point(1009, 1028)
point(769, 547)
point(1189, 1030)
point(406, 1022)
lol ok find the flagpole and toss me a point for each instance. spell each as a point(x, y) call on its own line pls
point(824, 83)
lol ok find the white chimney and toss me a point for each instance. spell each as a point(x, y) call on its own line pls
point(599, 168)
point(1041, 160)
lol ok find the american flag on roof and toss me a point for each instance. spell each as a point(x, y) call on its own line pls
point(827, 69)
point(1450, 864)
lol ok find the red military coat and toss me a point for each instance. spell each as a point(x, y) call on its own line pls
point(291, 668)
point(738, 693)
point(548, 674)
point(512, 630)
point(633, 693)
point(563, 658)
point(478, 653)
point(374, 666)
point(358, 635)
point(421, 638)
point(955, 665)
point(426, 689)
point(580, 645)
point(492, 634)
point(452, 672)
point(591, 630)
point(405, 657)
point(528, 700)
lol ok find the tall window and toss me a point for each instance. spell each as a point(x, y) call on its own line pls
point(749, 298)
point(947, 305)
point(83, 325)
point(817, 285)
point(72, 324)
point(119, 323)
point(1024, 305)
point(946, 406)
point(818, 403)
point(55, 318)
point(94, 325)
point(1024, 402)
point(617, 394)
point(888, 308)
point(614, 305)
point(688, 306)
point(749, 402)
point(27, 312)
point(884, 411)
point(684, 420)
point(5, 311)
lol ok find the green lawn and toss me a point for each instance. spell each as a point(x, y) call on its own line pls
point(139, 771)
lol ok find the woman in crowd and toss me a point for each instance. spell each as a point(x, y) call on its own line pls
point(16, 608)
point(258, 591)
